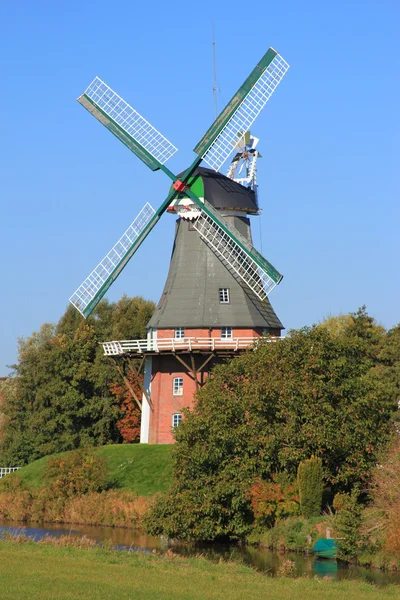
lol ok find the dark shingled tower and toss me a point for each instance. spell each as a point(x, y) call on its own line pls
point(190, 297)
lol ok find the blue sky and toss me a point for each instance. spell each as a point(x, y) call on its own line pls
point(329, 140)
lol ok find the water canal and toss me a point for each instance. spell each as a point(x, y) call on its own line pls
point(260, 558)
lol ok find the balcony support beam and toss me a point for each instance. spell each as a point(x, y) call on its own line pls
point(128, 384)
point(136, 371)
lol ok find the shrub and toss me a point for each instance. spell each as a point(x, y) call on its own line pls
point(309, 479)
point(114, 508)
point(75, 474)
point(72, 493)
point(292, 534)
point(16, 506)
point(348, 521)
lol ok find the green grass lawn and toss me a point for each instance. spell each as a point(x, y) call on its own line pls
point(32, 572)
point(141, 467)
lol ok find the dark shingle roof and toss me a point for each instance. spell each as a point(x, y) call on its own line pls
point(191, 293)
point(224, 193)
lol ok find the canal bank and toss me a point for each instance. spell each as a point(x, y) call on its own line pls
point(262, 559)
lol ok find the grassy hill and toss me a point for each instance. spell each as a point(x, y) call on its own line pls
point(138, 467)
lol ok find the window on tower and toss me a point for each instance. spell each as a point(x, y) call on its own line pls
point(179, 333)
point(226, 333)
point(176, 419)
point(177, 388)
point(224, 295)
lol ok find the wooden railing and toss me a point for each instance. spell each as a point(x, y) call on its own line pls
point(179, 344)
point(7, 470)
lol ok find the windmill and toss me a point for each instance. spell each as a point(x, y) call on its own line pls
point(189, 199)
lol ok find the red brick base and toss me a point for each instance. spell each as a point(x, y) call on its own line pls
point(166, 367)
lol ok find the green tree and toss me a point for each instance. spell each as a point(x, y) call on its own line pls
point(336, 324)
point(58, 405)
point(387, 371)
point(265, 412)
point(61, 398)
point(130, 318)
point(8, 389)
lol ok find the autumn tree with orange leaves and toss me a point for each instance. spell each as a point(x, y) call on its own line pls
point(129, 423)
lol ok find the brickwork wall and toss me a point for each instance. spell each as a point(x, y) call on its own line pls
point(165, 404)
point(215, 332)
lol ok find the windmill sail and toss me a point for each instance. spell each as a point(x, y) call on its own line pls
point(236, 252)
point(89, 294)
point(243, 109)
point(127, 124)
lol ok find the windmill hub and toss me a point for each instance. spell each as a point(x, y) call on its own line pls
point(179, 186)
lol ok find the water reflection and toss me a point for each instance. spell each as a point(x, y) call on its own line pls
point(261, 559)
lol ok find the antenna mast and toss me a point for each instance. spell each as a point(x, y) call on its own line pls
point(215, 88)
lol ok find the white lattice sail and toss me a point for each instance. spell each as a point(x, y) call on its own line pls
point(97, 283)
point(235, 258)
point(128, 119)
point(247, 112)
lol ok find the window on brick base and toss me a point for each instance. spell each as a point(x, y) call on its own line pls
point(226, 333)
point(177, 388)
point(176, 419)
point(179, 333)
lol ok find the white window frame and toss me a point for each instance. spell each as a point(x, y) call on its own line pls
point(226, 333)
point(176, 420)
point(177, 386)
point(179, 333)
point(224, 296)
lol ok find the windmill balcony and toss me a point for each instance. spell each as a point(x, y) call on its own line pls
point(187, 344)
